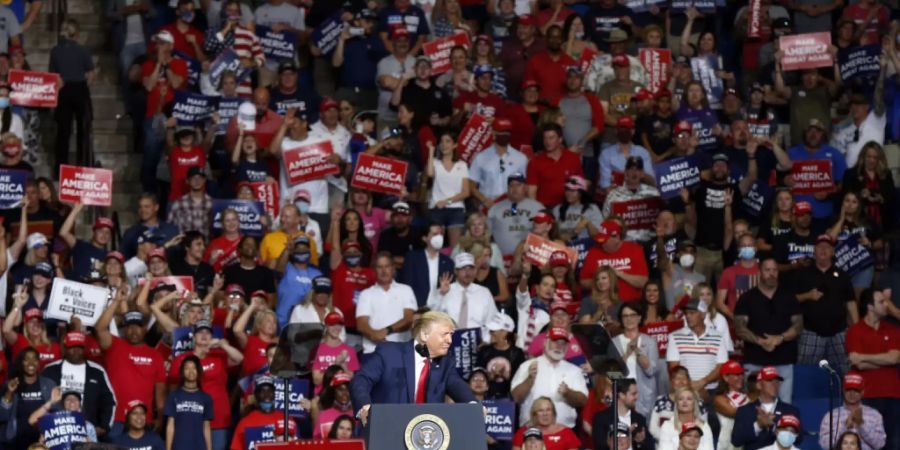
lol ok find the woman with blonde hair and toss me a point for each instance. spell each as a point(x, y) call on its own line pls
point(543, 417)
point(600, 305)
point(34, 331)
point(687, 410)
point(872, 179)
point(714, 319)
point(316, 305)
point(477, 231)
point(447, 19)
point(263, 333)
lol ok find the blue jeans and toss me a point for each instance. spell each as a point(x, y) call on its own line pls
point(890, 413)
point(220, 439)
point(786, 390)
point(153, 151)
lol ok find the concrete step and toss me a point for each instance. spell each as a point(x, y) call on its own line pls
point(126, 169)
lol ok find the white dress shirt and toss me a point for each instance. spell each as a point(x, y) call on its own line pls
point(546, 384)
point(481, 305)
point(385, 307)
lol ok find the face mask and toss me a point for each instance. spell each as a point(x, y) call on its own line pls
point(579, 35)
point(623, 136)
point(786, 438)
point(352, 261)
point(234, 18)
point(437, 241)
point(266, 406)
point(686, 260)
point(747, 252)
point(303, 207)
point(11, 150)
point(300, 258)
point(187, 16)
point(4, 102)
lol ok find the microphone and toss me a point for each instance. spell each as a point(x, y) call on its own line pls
point(823, 364)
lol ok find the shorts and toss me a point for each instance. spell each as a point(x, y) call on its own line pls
point(448, 217)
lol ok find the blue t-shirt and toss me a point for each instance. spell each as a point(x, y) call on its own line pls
point(820, 208)
point(149, 441)
point(292, 290)
point(413, 19)
point(190, 410)
point(361, 56)
point(252, 171)
point(85, 256)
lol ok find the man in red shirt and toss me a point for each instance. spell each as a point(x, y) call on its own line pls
point(548, 172)
point(625, 257)
point(348, 280)
point(873, 347)
point(481, 100)
point(188, 39)
point(183, 155)
point(267, 124)
point(136, 371)
point(548, 68)
point(263, 415)
point(517, 51)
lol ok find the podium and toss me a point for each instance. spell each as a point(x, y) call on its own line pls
point(429, 426)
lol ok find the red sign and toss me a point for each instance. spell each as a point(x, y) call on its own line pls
point(660, 331)
point(587, 57)
point(754, 19)
point(538, 250)
point(806, 51)
point(812, 177)
point(438, 51)
point(267, 193)
point(87, 185)
point(638, 214)
point(474, 137)
point(379, 174)
point(309, 162)
point(657, 63)
point(345, 444)
point(35, 89)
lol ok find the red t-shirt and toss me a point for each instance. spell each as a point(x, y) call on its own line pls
point(134, 371)
point(489, 105)
point(859, 15)
point(347, 284)
point(738, 279)
point(255, 418)
point(227, 250)
point(629, 258)
point(550, 176)
point(46, 352)
point(215, 378)
point(522, 123)
point(550, 75)
point(92, 350)
point(862, 338)
point(180, 160)
point(564, 439)
point(181, 43)
point(254, 355)
point(179, 66)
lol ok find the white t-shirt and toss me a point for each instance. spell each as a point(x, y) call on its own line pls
point(448, 183)
point(384, 308)
point(4, 280)
point(318, 189)
point(134, 26)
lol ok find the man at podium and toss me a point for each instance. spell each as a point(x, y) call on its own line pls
point(417, 371)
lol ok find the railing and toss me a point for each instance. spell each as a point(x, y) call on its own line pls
point(55, 16)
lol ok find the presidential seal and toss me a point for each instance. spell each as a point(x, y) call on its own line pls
point(427, 432)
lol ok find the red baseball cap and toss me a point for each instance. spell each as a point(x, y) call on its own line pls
point(731, 368)
point(543, 217)
point(689, 426)
point(789, 420)
point(625, 122)
point(801, 208)
point(683, 126)
point(608, 229)
point(116, 255)
point(235, 288)
point(854, 381)
point(825, 238)
point(558, 305)
point(769, 373)
point(642, 94)
point(527, 19)
point(334, 318)
point(621, 60)
point(559, 258)
point(399, 32)
point(136, 403)
point(530, 83)
point(74, 339)
point(340, 378)
point(259, 293)
point(502, 124)
point(557, 333)
point(34, 313)
point(158, 252)
point(663, 93)
point(327, 103)
point(347, 245)
point(104, 222)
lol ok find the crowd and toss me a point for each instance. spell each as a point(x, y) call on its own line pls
point(713, 290)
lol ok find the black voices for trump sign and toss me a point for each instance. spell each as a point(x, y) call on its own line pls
point(68, 298)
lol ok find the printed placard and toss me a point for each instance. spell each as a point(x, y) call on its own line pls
point(675, 174)
point(227, 108)
point(474, 137)
point(757, 199)
point(582, 247)
point(258, 435)
point(83, 300)
point(862, 62)
point(183, 339)
point(227, 60)
point(754, 19)
point(325, 36)
point(657, 63)
point(267, 194)
point(638, 214)
point(704, 69)
point(193, 67)
point(851, 256)
point(500, 419)
point(463, 348)
point(61, 430)
point(277, 46)
point(812, 177)
point(805, 51)
point(299, 389)
point(88, 185)
point(587, 58)
point(249, 212)
point(438, 50)
point(309, 162)
point(379, 174)
point(12, 187)
point(538, 250)
point(704, 6)
point(660, 331)
point(33, 89)
point(193, 109)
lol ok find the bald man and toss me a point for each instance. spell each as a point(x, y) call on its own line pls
point(267, 121)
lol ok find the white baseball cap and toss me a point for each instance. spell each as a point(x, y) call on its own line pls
point(501, 321)
point(164, 36)
point(36, 240)
point(463, 260)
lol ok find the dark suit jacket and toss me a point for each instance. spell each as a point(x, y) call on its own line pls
point(744, 434)
point(388, 376)
point(603, 420)
point(415, 273)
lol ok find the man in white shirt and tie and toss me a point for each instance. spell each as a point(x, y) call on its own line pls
point(469, 304)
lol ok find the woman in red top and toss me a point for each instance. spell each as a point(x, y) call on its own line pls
point(556, 435)
point(34, 332)
point(222, 250)
point(264, 332)
point(183, 155)
point(525, 115)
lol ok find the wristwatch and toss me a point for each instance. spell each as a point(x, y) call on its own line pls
point(390, 329)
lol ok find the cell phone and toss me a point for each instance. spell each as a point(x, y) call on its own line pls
point(357, 31)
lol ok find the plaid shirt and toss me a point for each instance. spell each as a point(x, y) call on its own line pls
point(188, 215)
point(871, 433)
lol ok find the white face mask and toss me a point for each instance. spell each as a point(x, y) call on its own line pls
point(686, 260)
point(437, 241)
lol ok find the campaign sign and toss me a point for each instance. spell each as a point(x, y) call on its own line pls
point(34, 89)
point(258, 435)
point(474, 137)
point(71, 297)
point(192, 109)
point(638, 214)
point(62, 430)
point(704, 126)
point(227, 60)
point(704, 69)
point(183, 339)
point(250, 213)
point(862, 62)
point(325, 36)
point(500, 419)
point(12, 187)
point(660, 331)
point(227, 108)
point(812, 177)
point(463, 348)
point(582, 247)
point(754, 19)
point(438, 50)
point(538, 250)
point(805, 51)
point(379, 174)
point(87, 185)
point(267, 194)
point(587, 59)
point(675, 174)
point(657, 63)
point(299, 389)
point(309, 162)
point(757, 199)
point(276, 46)
point(851, 256)
point(193, 67)
point(704, 6)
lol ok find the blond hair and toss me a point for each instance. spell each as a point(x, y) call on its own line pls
point(427, 320)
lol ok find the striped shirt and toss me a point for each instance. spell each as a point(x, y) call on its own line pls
point(699, 354)
point(245, 45)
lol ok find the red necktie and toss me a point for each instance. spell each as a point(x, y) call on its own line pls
point(423, 380)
